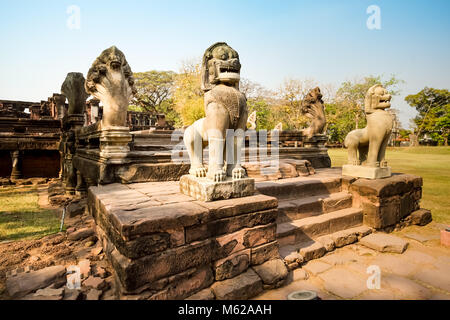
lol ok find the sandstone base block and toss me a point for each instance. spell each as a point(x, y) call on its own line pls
point(244, 286)
point(204, 189)
point(165, 245)
point(366, 172)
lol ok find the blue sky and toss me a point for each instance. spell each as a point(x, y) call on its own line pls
point(324, 40)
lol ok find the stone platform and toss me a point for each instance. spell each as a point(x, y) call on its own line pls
point(206, 190)
point(166, 245)
point(366, 172)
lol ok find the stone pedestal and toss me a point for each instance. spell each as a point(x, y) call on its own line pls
point(73, 121)
point(204, 189)
point(366, 172)
point(166, 245)
point(385, 202)
point(114, 142)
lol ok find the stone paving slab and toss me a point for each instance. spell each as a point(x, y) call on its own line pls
point(404, 287)
point(384, 243)
point(422, 238)
point(315, 267)
point(343, 283)
point(421, 272)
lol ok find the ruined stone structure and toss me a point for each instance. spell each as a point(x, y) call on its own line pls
point(370, 143)
point(29, 138)
point(225, 230)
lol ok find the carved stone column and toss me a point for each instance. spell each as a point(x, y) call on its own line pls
point(16, 172)
point(60, 102)
point(94, 110)
point(73, 89)
point(80, 188)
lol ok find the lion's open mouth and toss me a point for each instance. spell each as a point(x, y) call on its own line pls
point(229, 69)
point(229, 74)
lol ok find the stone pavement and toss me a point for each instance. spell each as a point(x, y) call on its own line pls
point(422, 271)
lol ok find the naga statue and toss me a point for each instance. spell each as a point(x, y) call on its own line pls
point(225, 108)
point(312, 107)
point(111, 81)
point(371, 142)
point(73, 89)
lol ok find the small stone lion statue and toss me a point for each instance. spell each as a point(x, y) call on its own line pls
point(251, 121)
point(111, 81)
point(371, 142)
point(312, 107)
point(225, 108)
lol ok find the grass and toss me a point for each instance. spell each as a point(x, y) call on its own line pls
point(431, 163)
point(22, 218)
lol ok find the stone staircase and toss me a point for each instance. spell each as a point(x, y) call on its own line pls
point(315, 215)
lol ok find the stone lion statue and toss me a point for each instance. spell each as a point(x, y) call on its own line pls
point(111, 81)
point(225, 108)
point(73, 89)
point(312, 107)
point(371, 142)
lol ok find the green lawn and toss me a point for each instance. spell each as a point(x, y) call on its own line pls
point(22, 218)
point(431, 163)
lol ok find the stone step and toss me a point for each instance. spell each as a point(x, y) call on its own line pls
point(303, 251)
point(294, 209)
point(306, 229)
point(300, 187)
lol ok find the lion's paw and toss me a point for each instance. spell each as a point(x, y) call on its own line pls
point(199, 172)
point(218, 176)
point(238, 173)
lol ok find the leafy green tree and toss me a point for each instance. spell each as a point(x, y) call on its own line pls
point(153, 89)
point(433, 107)
point(155, 93)
point(188, 96)
point(261, 100)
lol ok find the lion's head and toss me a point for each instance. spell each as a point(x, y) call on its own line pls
point(377, 97)
point(220, 65)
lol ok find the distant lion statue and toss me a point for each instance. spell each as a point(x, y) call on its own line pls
point(225, 108)
point(371, 142)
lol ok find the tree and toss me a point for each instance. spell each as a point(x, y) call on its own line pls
point(259, 99)
point(153, 89)
point(155, 94)
point(288, 108)
point(433, 107)
point(188, 96)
